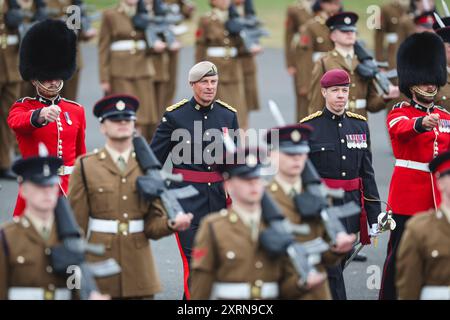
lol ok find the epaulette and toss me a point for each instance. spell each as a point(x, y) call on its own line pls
point(90, 154)
point(442, 109)
point(400, 105)
point(73, 102)
point(21, 100)
point(215, 217)
point(356, 116)
point(226, 105)
point(177, 105)
point(311, 116)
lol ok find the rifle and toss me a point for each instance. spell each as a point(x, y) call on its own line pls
point(249, 27)
point(158, 27)
point(369, 70)
point(73, 249)
point(279, 239)
point(313, 203)
point(154, 184)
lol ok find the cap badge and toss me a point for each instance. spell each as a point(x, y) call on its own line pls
point(296, 136)
point(347, 20)
point(251, 161)
point(120, 105)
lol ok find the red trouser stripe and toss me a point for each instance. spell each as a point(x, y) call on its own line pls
point(187, 294)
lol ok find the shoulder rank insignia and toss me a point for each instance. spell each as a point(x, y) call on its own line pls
point(311, 116)
point(226, 105)
point(400, 105)
point(355, 115)
point(177, 105)
point(21, 100)
point(442, 109)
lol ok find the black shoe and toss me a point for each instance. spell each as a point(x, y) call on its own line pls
point(7, 174)
point(360, 257)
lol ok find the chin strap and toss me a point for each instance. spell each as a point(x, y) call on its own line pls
point(44, 91)
point(425, 94)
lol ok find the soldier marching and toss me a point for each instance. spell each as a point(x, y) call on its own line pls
point(244, 233)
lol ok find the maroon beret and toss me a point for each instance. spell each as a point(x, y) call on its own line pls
point(335, 78)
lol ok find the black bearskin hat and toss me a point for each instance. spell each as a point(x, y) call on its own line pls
point(48, 52)
point(421, 59)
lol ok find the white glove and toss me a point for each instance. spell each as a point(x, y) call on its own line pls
point(375, 230)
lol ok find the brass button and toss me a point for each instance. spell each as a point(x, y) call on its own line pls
point(223, 212)
point(435, 253)
point(323, 149)
point(49, 269)
point(258, 265)
point(233, 218)
point(133, 33)
point(123, 228)
point(206, 117)
point(49, 295)
point(259, 283)
point(124, 180)
point(274, 187)
point(320, 40)
point(100, 190)
point(125, 215)
point(231, 255)
point(51, 286)
point(340, 125)
point(124, 198)
point(47, 251)
point(342, 141)
point(344, 174)
point(344, 157)
point(209, 184)
point(20, 260)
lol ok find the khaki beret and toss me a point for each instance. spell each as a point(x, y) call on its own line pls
point(201, 70)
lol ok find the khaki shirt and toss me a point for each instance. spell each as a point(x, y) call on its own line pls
point(423, 258)
point(110, 194)
point(225, 252)
point(363, 95)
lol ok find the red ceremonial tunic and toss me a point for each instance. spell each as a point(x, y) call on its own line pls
point(64, 138)
point(414, 190)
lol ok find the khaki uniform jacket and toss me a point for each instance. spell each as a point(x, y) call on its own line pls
point(387, 37)
point(329, 258)
point(211, 32)
point(9, 54)
point(296, 15)
point(423, 258)
point(132, 64)
point(112, 195)
point(224, 252)
point(24, 258)
point(314, 43)
point(363, 94)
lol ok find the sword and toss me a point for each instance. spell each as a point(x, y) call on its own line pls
point(276, 113)
point(439, 20)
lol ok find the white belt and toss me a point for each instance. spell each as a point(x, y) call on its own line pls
point(179, 29)
point(233, 291)
point(11, 40)
point(421, 166)
point(17, 293)
point(65, 170)
point(392, 37)
point(435, 293)
point(115, 226)
point(128, 45)
point(222, 52)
